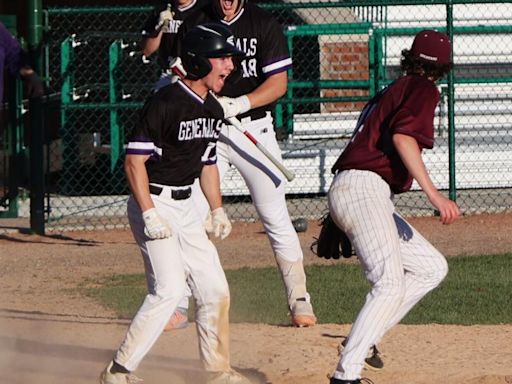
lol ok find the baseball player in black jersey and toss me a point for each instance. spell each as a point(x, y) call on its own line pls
point(250, 94)
point(160, 30)
point(173, 144)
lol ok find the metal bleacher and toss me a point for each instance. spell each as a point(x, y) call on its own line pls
point(482, 119)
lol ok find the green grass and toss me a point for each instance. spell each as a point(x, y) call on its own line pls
point(121, 293)
point(477, 290)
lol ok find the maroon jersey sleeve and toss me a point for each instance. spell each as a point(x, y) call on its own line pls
point(405, 106)
point(416, 114)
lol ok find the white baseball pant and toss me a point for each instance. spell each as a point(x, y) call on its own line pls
point(401, 265)
point(267, 188)
point(187, 256)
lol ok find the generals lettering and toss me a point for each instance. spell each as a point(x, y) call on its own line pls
point(199, 128)
point(249, 46)
point(174, 25)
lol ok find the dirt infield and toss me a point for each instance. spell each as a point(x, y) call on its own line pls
point(49, 335)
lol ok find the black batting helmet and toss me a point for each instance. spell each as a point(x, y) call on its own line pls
point(206, 41)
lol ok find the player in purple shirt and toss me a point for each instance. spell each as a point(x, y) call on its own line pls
point(14, 60)
point(382, 158)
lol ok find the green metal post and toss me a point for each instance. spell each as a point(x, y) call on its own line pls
point(70, 161)
point(373, 71)
point(35, 17)
point(35, 28)
point(384, 42)
point(37, 189)
point(451, 109)
point(116, 144)
point(379, 47)
point(65, 71)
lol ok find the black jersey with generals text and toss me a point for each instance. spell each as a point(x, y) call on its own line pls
point(149, 30)
point(261, 37)
point(179, 131)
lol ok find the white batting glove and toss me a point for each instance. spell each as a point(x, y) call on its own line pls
point(155, 226)
point(220, 224)
point(208, 224)
point(164, 20)
point(234, 106)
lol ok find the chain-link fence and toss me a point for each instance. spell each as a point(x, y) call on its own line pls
point(343, 53)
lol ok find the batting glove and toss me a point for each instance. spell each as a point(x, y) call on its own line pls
point(208, 224)
point(164, 20)
point(234, 106)
point(220, 224)
point(155, 226)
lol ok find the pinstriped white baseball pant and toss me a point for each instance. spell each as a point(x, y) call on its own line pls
point(401, 265)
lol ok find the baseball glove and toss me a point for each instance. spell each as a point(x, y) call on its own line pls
point(332, 242)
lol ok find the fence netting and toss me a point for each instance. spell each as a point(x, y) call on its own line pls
point(342, 52)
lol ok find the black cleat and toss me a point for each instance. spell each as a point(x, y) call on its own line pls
point(339, 381)
point(374, 361)
point(356, 381)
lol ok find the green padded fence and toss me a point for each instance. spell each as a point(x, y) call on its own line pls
point(343, 53)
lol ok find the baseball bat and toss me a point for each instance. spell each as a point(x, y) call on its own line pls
point(238, 125)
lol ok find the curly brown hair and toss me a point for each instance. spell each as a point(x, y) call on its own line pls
point(412, 65)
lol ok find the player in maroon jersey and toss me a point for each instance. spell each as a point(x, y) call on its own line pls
point(382, 159)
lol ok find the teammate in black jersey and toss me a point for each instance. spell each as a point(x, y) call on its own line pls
point(173, 144)
point(159, 31)
point(250, 94)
